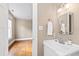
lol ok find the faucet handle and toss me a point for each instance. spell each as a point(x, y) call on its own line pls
point(69, 41)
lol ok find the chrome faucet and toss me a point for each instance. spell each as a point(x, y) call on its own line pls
point(61, 41)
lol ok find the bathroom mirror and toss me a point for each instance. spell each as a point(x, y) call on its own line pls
point(66, 23)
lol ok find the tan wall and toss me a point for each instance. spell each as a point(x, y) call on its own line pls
point(23, 28)
point(45, 11)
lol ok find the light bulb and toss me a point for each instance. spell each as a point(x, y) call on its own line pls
point(59, 10)
point(67, 6)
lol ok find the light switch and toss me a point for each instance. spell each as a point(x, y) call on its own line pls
point(40, 27)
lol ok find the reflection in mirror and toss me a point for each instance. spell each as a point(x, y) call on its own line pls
point(65, 22)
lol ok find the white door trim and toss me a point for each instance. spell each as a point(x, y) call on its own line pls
point(34, 31)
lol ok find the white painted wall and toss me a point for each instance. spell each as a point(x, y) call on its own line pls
point(3, 29)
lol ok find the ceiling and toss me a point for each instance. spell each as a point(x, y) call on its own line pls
point(21, 10)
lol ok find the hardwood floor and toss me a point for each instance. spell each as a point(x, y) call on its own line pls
point(21, 48)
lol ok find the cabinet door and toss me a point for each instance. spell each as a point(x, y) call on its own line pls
point(49, 52)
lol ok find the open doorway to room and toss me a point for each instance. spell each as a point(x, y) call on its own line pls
point(20, 29)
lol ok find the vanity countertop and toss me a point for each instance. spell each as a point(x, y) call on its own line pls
point(61, 49)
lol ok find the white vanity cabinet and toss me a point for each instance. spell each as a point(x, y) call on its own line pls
point(53, 48)
point(48, 51)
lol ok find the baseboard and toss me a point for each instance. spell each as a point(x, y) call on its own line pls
point(18, 40)
point(10, 44)
point(23, 39)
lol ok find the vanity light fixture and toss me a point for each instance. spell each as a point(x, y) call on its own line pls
point(63, 6)
point(59, 10)
point(67, 6)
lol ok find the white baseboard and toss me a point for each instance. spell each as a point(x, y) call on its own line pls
point(23, 39)
point(19, 40)
point(11, 42)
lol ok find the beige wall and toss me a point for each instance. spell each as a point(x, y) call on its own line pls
point(23, 28)
point(45, 11)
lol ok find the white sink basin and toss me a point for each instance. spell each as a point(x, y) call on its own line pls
point(61, 49)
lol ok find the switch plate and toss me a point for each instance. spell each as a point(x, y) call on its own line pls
point(40, 27)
